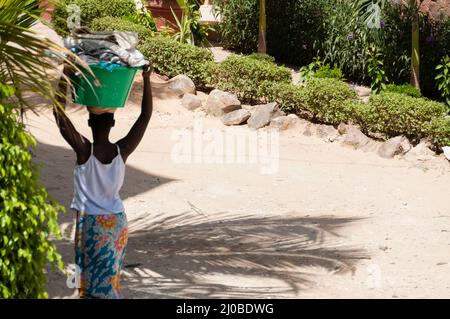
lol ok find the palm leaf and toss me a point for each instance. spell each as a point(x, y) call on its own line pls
point(29, 62)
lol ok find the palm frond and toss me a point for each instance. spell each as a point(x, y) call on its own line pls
point(28, 61)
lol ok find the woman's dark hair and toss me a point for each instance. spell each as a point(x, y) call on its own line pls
point(105, 120)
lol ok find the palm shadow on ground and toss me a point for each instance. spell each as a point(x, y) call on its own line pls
point(192, 254)
point(225, 256)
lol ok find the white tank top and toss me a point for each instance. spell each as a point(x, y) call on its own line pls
point(97, 186)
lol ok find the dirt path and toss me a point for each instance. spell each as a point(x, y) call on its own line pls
point(331, 222)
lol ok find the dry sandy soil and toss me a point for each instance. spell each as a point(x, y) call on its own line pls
point(331, 222)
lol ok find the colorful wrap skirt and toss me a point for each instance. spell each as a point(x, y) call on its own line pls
point(100, 243)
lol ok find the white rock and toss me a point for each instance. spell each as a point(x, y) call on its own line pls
point(181, 84)
point(191, 101)
point(236, 117)
point(220, 103)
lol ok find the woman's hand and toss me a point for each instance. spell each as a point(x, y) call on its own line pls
point(147, 70)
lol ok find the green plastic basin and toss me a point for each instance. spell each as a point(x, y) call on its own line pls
point(113, 89)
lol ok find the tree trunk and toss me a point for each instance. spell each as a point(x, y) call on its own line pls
point(415, 51)
point(262, 47)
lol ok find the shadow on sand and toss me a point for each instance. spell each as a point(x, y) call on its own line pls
point(199, 254)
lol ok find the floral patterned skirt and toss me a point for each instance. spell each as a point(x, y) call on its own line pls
point(100, 243)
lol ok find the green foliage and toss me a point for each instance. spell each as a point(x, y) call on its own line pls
point(239, 26)
point(329, 101)
point(262, 57)
point(190, 30)
point(438, 131)
point(28, 216)
point(295, 29)
point(325, 100)
point(89, 10)
point(397, 114)
point(142, 17)
point(172, 58)
point(406, 89)
point(288, 96)
point(317, 69)
point(244, 76)
point(375, 70)
point(327, 72)
point(443, 78)
point(110, 24)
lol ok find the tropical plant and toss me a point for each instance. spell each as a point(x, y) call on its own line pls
point(371, 9)
point(375, 69)
point(190, 30)
point(443, 79)
point(239, 26)
point(346, 40)
point(27, 61)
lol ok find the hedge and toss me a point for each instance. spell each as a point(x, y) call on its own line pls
point(244, 75)
point(438, 131)
point(407, 89)
point(172, 58)
point(110, 24)
point(395, 114)
point(89, 10)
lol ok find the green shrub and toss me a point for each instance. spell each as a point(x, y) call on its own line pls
point(27, 214)
point(110, 24)
point(406, 89)
point(326, 100)
point(327, 72)
point(438, 131)
point(262, 57)
point(172, 58)
point(117, 8)
point(239, 26)
point(397, 114)
point(89, 10)
point(288, 96)
point(244, 76)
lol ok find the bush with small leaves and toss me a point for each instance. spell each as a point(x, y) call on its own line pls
point(438, 131)
point(67, 10)
point(172, 58)
point(261, 57)
point(395, 114)
point(406, 89)
point(243, 76)
point(326, 100)
point(110, 24)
